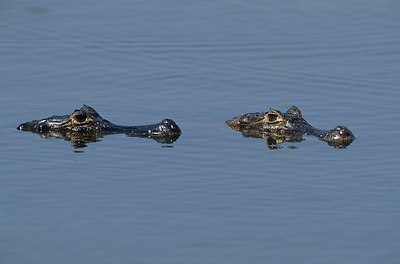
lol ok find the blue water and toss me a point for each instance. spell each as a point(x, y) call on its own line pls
point(213, 196)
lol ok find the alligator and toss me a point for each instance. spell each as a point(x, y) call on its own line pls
point(86, 125)
point(277, 127)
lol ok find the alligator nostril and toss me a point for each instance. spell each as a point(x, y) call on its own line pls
point(23, 127)
point(168, 122)
point(168, 126)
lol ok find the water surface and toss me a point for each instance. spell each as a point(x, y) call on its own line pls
point(213, 196)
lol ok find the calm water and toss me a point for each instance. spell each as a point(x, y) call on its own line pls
point(213, 196)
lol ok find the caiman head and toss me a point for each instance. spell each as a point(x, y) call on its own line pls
point(86, 125)
point(278, 127)
point(84, 120)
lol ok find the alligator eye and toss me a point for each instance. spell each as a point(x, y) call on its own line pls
point(272, 117)
point(80, 118)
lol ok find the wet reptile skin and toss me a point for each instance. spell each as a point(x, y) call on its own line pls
point(278, 127)
point(86, 125)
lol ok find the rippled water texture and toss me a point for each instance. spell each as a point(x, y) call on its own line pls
point(213, 196)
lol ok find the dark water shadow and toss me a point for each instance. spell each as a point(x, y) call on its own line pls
point(275, 141)
point(38, 10)
point(79, 141)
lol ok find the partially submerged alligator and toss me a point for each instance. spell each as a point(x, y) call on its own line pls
point(278, 127)
point(86, 125)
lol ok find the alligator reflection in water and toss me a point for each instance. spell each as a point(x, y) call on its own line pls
point(85, 125)
point(277, 127)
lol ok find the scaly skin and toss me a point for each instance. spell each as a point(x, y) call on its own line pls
point(86, 125)
point(290, 126)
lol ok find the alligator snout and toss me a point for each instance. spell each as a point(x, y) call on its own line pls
point(24, 127)
point(39, 126)
point(168, 126)
point(339, 134)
